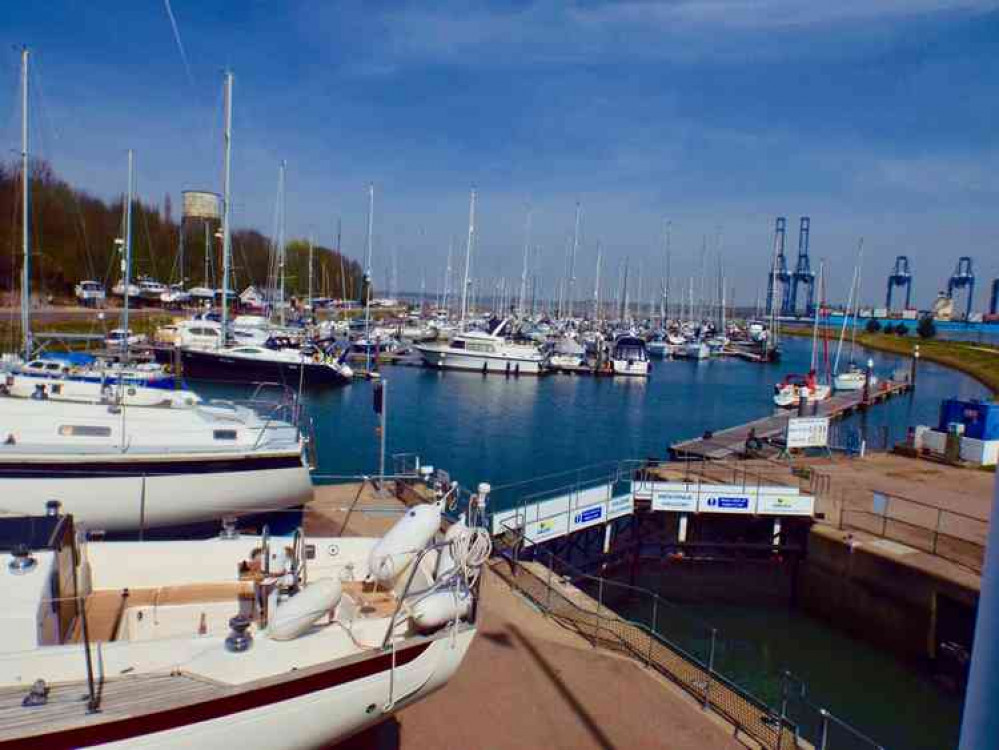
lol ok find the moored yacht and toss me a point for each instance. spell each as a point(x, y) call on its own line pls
point(240, 641)
point(484, 352)
point(629, 357)
point(145, 454)
point(250, 363)
point(795, 388)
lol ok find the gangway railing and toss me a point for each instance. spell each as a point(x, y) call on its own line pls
point(661, 636)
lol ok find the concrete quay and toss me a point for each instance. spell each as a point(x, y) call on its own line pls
point(527, 682)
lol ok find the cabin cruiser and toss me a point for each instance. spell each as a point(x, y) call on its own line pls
point(248, 641)
point(794, 388)
point(89, 292)
point(484, 352)
point(268, 362)
point(853, 379)
point(151, 290)
point(569, 354)
point(629, 357)
point(145, 453)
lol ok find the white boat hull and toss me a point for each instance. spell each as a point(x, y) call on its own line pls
point(852, 381)
point(635, 368)
point(319, 719)
point(134, 501)
point(453, 359)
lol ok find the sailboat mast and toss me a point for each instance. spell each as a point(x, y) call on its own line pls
point(367, 277)
point(596, 285)
point(523, 272)
point(664, 302)
point(226, 206)
point(127, 260)
point(572, 261)
point(311, 250)
point(468, 255)
point(25, 212)
point(280, 241)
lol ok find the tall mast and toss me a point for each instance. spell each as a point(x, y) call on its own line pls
point(664, 302)
point(226, 205)
point(127, 260)
point(367, 276)
point(523, 273)
point(572, 261)
point(468, 255)
point(311, 247)
point(25, 212)
point(596, 285)
point(446, 298)
point(280, 241)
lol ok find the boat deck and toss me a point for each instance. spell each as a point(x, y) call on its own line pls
point(120, 698)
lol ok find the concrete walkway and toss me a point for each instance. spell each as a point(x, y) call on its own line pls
point(528, 683)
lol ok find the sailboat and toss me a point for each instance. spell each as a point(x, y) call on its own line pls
point(248, 641)
point(251, 362)
point(794, 389)
point(855, 377)
point(145, 453)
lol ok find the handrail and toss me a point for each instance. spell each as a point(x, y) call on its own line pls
point(600, 621)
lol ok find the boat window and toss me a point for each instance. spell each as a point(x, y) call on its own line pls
point(225, 434)
point(459, 344)
point(475, 346)
point(84, 430)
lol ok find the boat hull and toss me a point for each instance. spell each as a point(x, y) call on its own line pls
point(453, 359)
point(636, 369)
point(208, 365)
point(124, 495)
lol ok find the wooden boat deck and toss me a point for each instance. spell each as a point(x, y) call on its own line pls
point(121, 698)
point(732, 441)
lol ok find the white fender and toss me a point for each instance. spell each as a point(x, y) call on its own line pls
point(295, 615)
point(393, 553)
point(440, 608)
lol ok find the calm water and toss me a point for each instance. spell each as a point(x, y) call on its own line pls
point(511, 431)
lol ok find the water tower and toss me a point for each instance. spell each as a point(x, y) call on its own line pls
point(200, 208)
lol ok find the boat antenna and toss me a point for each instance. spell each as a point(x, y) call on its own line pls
point(468, 255)
point(25, 212)
point(226, 206)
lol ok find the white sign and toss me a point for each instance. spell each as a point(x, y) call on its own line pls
point(807, 432)
point(674, 500)
point(785, 505)
point(622, 505)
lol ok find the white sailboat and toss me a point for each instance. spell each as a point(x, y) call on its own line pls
point(855, 377)
point(240, 641)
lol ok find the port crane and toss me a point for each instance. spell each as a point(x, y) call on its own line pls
point(994, 302)
point(900, 276)
point(779, 275)
point(803, 274)
point(963, 277)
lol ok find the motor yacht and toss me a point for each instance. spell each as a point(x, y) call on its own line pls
point(629, 357)
point(484, 352)
point(89, 292)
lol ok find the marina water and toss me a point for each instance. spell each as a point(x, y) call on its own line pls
point(513, 431)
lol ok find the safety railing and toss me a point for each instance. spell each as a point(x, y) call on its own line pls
point(662, 636)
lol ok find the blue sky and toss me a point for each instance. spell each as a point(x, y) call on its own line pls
point(875, 118)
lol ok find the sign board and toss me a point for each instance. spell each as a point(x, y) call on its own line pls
point(880, 504)
point(726, 502)
point(807, 432)
point(674, 500)
point(622, 505)
point(785, 505)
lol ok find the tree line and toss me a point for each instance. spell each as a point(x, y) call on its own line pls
point(73, 238)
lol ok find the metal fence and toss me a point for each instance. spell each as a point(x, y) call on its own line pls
point(662, 636)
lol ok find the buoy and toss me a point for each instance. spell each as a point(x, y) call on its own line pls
point(295, 615)
point(393, 553)
point(440, 608)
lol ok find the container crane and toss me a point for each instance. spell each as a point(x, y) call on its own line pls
point(779, 276)
point(963, 276)
point(994, 302)
point(900, 276)
point(803, 274)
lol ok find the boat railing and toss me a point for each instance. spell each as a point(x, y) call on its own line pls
point(662, 636)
